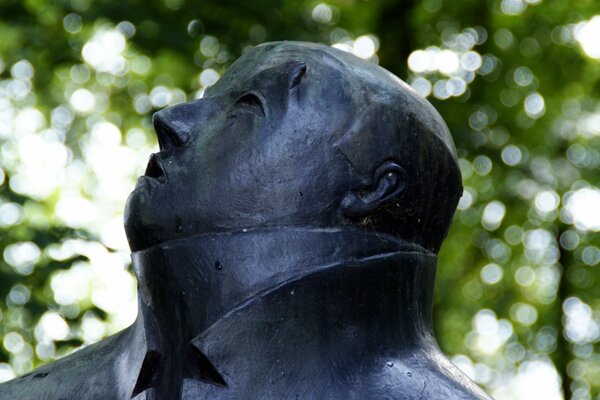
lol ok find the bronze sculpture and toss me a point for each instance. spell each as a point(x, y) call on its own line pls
point(284, 240)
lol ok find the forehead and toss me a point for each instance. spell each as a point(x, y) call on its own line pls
point(273, 63)
point(328, 69)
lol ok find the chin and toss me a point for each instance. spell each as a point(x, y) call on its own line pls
point(137, 223)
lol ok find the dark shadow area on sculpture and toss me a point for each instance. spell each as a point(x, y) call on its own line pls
point(284, 240)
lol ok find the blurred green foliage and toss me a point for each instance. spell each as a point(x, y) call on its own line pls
point(517, 81)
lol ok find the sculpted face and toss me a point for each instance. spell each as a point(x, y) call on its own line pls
point(299, 134)
point(256, 151)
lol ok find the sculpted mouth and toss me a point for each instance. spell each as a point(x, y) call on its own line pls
point(155, 169)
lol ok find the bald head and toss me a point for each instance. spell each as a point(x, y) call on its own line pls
point(390, 124)
point(299, 134)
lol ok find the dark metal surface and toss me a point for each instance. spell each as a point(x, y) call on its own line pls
point(284, 240)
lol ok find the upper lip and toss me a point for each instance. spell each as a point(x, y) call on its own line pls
point(155, 169)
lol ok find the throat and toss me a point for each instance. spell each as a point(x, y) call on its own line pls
point(199, 279)
point(198, 295)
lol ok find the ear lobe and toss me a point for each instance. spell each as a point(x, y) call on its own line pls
point(388, 183)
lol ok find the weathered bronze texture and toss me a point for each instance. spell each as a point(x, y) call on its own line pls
point(284, 240)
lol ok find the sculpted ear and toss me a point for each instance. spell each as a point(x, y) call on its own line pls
point(389, 182)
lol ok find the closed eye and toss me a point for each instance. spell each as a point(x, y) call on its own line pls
point(250, 102)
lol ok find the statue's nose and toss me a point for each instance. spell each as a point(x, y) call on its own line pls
point(176, 125)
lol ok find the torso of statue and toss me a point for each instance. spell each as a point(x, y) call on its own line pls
point(253, 315)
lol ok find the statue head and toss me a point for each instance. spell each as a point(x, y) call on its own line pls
point(299, 134)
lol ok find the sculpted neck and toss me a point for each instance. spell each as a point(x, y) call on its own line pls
point(200, 291)
point(209, 275)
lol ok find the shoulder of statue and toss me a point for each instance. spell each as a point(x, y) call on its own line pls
point(89, 373)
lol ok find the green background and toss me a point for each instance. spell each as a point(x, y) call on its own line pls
point(517, 81)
